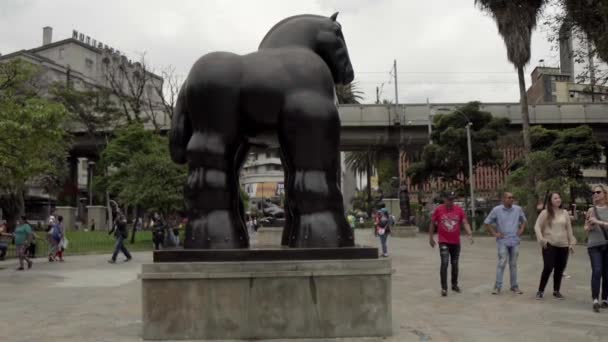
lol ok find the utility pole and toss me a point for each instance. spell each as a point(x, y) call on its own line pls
point(377, 95)
point(428, 107)
point(396, 86)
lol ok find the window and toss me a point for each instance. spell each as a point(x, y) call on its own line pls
point(268, 154)
point(61, 50)
point(89, 63)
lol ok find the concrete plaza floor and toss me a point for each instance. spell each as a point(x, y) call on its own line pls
point(87, 299)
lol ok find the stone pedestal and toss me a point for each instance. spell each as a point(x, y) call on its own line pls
point(404, 231)
point(267, 299)
point(268, 237)
point(97, 213)
point(69, 216)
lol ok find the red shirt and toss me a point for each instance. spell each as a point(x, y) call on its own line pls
point(448, 223)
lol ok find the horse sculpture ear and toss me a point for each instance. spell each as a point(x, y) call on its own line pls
point(334, 16)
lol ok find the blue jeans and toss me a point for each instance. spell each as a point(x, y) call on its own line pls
point(120, 247)
point(599, 271)
point(504, 252)
point(3, 249)
point(383, 239)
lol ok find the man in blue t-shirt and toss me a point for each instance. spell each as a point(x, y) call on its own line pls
point(506, 222)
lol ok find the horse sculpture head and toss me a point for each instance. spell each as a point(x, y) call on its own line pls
point(321, 34)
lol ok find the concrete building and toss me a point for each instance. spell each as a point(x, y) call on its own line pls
point(262, 174)
point(551, 85)
point(559, 84)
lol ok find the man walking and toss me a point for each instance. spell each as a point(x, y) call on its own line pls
point(506, 222)
point(121, 232)
point(448, 218)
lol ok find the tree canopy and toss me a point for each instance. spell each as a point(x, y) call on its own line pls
point(557, 161)
point(140, 171)
point(33, 140)
point(447, 158)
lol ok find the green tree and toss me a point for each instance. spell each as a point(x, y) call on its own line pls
point(557, 161)
point(447, 158)
point(33, 141)
point(142, 173)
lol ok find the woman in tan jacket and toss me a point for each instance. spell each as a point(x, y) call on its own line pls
point(554, 232)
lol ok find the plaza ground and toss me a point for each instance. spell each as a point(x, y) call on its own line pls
point(87, 299)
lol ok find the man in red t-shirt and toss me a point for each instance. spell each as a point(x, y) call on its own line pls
point(448, 218)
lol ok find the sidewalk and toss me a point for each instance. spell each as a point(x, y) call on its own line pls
point(87, 299)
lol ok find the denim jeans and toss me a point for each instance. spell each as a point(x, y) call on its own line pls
point(449, 253)
point(507, 252)
point(3, 249)
point(120, 247)
point(599, 271)
point(383, 239)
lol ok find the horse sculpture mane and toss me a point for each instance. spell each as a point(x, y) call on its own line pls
point(287, 86)
point(287, 21)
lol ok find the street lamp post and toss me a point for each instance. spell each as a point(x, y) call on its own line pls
point(471, 177)
point(470, 157)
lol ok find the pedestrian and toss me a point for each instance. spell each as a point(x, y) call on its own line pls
point(5, 239)
point(506, 222)
point(596, 225)
point(59, 237)
point(121, 232)
point(23, 237)
point(158, 234)
point(448, 218)
point(92, 225)
point(383, 229)
point(553, 230)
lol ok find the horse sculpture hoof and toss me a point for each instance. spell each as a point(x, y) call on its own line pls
point(322, 230)
point(216, 230)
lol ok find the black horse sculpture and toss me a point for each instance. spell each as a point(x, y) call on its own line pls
point(286, 87)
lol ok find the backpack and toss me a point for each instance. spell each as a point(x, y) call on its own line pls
point(383, 222)
point(56, 233)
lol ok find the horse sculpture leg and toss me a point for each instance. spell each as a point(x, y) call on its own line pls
point(213, 151)
point(309, 134)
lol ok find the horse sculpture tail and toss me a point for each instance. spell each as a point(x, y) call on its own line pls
point(181, 129)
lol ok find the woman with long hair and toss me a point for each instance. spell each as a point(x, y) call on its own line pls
point(554, 232)
point(596, 225)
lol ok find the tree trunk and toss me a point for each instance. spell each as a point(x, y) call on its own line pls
point(13, 207)
point(525, 115)
point(369, 186)
point(525, 123)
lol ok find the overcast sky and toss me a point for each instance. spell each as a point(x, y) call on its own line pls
point(446, 50)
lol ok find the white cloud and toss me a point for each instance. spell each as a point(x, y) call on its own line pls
point(447, 50)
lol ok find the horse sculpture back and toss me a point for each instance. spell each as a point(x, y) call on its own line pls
point(286, 87)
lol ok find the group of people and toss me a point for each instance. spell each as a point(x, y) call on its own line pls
point(507, 222)
point(24, 239)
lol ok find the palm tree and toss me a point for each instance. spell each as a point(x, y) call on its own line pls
point(515, 20)
point(361, 162)
point(349, 94)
